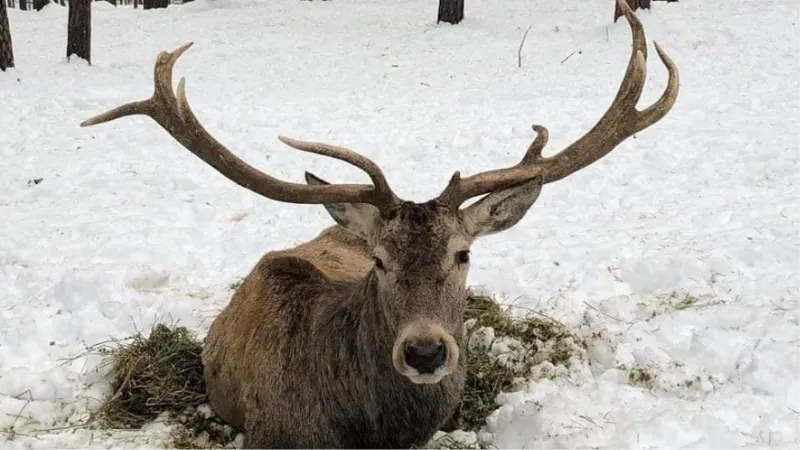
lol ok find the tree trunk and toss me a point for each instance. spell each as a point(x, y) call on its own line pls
point(23, 5)
point(79, 29)
point(451, 11)
point(6, 51)
point(40, 4)
point(634, 4)
point(135, 4)
point(152, 4)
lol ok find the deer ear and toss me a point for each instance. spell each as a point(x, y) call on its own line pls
point(501, 210)
point(357, 218)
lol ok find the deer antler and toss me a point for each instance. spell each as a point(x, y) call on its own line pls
point(620, 121)
point(175, 115)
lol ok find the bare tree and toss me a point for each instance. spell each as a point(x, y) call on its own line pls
point(636, 4)
point(6, 50)
point(451, 11)
point(153, 4)
point(79, 29)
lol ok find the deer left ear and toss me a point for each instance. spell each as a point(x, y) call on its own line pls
point(357, 218)
point(501, 210)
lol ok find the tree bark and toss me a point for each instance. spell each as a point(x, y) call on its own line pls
point(6, 50)
point(634, 4)
point(79, 29)
point(153, 4)
point(451, 11)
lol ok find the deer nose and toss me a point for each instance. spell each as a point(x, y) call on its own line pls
point(425, 357)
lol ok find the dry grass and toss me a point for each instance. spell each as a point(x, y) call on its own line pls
point(149, 376)
point(163, 373)
point(539, 339)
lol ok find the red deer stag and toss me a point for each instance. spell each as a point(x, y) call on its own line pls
point(355, 338)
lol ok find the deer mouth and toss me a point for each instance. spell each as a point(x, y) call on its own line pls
point(425, 378)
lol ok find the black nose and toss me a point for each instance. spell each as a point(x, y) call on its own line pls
point(426, 357)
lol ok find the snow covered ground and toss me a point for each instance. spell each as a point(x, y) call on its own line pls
point(125, 227)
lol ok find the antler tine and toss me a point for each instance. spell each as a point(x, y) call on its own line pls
point(162, 75)
point(534, 152)
point(174, 114)
point(460, 189)
point(619, 122)
point(349, 156)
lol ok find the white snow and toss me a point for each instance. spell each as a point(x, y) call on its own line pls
point(126, 227)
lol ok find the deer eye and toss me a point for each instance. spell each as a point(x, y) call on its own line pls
point(378, 263)
point(462, 257)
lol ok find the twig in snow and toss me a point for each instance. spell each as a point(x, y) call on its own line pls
point(605, 314)
point(521, 44)
point(611, 271)
point(10, 432)
point(568, 57)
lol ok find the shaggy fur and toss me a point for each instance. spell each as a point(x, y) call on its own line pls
point(301, 357)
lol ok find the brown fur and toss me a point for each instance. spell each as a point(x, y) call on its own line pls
point(302, 355)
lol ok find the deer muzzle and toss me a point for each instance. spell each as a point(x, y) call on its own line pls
point(424, 352)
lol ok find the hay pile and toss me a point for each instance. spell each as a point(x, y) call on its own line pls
point(160, 374)
point(163, 373)
point(501, 352)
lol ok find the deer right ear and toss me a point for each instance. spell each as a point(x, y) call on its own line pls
point(357, 218)
point(502, 209)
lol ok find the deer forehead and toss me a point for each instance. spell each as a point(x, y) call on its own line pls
point(430, 218)
point(420, 230)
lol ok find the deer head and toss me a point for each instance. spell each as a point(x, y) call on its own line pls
point(421, 250)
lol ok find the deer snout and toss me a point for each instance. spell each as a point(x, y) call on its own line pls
point(424, 352)
point(425, 357)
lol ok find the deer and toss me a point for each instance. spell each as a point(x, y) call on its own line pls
point(355, 338)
